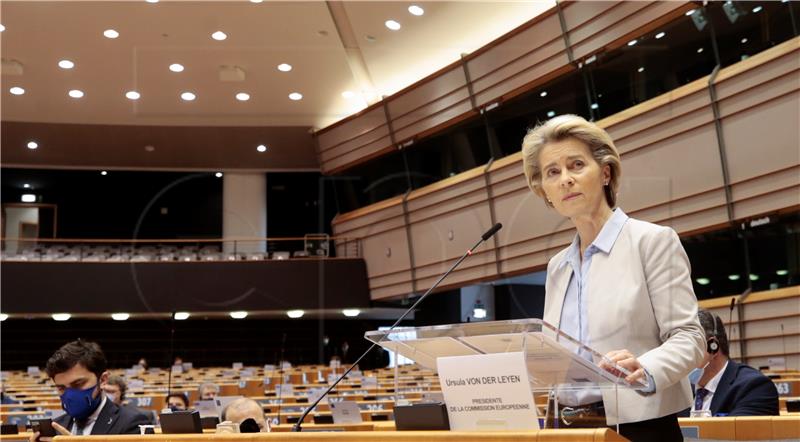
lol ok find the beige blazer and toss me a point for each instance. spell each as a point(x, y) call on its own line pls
point(640, 298)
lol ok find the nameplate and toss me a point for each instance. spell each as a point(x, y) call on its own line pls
point(784, 388)
point(487, 392)
point(777, 364)
point(238, 365)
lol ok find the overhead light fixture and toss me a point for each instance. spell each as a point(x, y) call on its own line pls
point(641, 69)
point(103, 172)
point(32, 145)
point(120, 316)
point(238, 315)
point(110, 33)
point(594, 106)
point(294, 314)
point(218, 174)
point(633, 42)
point(26, 186)
point(543, 94)
point(151, 1)
point(295, 96)
point(261, 148)
point(551, 114)
point(703, 281)
point(66, 64)
point(219, 36)
point(76, 93)
point(734, 277)
point(181, 316)
point(754, 277)
point(660, 35)
point(393, 25)
point(416, 10)
point(61, 316)
point(699, 50)
point(3, 317)
point(176, 67)
point(690, 12)
point(132, 95)
point(28, 198)
point(352, 312)
point(744, 40)
point(348, 94)
point(2, 28)
point(479, 313)
point(256, 1)
point(242, 96)
point(284, 67)
point(16, 90)
point(782, 272)
point(188, 96)
point(757, 9)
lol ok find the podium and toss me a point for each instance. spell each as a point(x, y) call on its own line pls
point(558, 365)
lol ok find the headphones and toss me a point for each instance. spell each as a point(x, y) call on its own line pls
point(712, 344)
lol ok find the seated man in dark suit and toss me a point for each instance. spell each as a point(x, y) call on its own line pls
point(79, 369)
point(727, 388)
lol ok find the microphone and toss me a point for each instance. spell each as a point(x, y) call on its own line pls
point(297, 426)
point(171, 352)
point(280, 371)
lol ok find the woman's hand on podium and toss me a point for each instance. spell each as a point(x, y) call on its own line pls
point(626, 360)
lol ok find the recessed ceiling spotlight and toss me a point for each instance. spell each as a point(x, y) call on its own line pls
point(699, 50)
point(393, 25)
point(16, 90)
point(633, 42)
point(757, 9)
point(3, 316)
point(176, 67)
point(416, 10)
point(782, 272)
point(103, 172)
point(256, 1)
point(2, 28)
point(188, 96)
point(242, 96)
point(218, 174)
point(703, 281)
point(294, 314)
point(543, 94)
point(295, 96)
point(66, 64)
point(28, 198)
point(238, 315)
point(734, 277)
point(219, 36)
point(641, 69)
point(110, 33)
point(690, 12)
point(744, 40)
point(181, 316)
point(352, 312)
point(284, 67)
point(124, 316)
point(32, 145)
point(348, 94)
point(132, 95)
point(151, 1)
point(61, 316)
point(660, 35)
point(26, 186)
point(551, 114)
point(261, 148)
point(76, 93)
point(594, 106)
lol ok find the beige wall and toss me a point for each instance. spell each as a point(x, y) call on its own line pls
point(671, 175)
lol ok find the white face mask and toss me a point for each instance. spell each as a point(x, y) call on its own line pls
point(696, 374)
point(112, 397)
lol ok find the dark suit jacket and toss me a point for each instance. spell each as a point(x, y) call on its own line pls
point(112, 419)
point(743, 391)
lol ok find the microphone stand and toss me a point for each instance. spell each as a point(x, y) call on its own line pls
point(298, 426)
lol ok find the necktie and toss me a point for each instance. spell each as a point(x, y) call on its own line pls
point(698, 398)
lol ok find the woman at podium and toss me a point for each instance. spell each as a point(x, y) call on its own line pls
point(623, 286)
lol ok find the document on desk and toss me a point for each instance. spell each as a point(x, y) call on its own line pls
point(487, 392)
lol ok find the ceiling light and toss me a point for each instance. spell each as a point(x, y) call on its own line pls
point(218, 174)
point(103, 172)
point(393, 25)
point(353, 312)
point(416, 10)
point(757, 9)
point(120, 316)
point(633, 42)
point(284, 67)
point(699, 50)
point(479, 313)
point(110, 33)
point(16, 90)
point(660, 35)
point(76, 93)
point(543, 94)
point(641, 69)
point(181, 316)
point(261, 148)
point(2, 28)
point(132, 95)
point(256, 1)
point(66, 64)
point(28, 186)
point(733, 277)
point(690, 12)
point(219, 36)
point(294, 314)
point(753, 277)
point(295, 96)
point(188, 96)
point(61, 316)
point(594, 106)
point(32, 144)
point(238, 315)
point(176, 67)
point(242, 96)
point(3, 316)
point(151, 1)
point(348, 94)
point(551, 114)
point(744, 40)
point(782, 272)
point(28, 198)
point(703, 281)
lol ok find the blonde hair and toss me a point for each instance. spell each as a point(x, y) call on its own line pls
point(570, 126)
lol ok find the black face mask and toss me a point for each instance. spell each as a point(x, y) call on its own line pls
point(249, 425)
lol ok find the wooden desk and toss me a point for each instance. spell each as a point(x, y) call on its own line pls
point(745, 428)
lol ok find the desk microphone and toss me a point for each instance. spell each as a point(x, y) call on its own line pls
point(484, 237)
